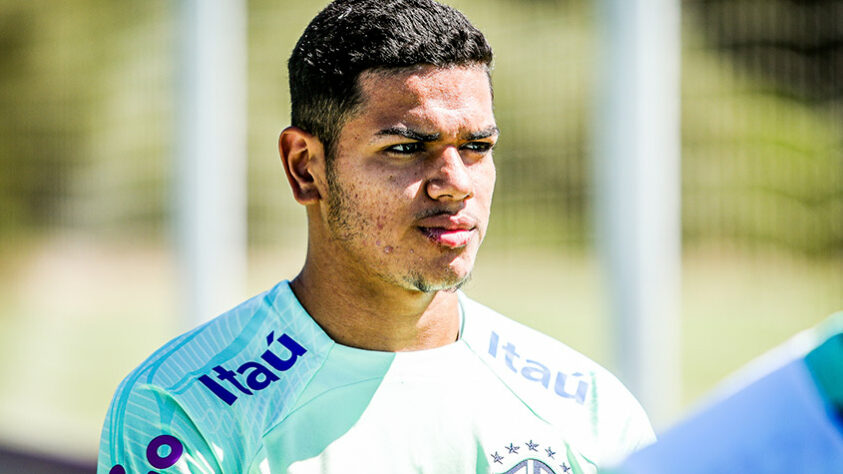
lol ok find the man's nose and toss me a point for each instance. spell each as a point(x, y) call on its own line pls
point(450, 179)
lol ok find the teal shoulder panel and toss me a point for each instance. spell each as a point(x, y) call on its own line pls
point(218, 387)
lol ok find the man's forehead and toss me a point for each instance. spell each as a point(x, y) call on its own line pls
point(422, 97)
point(424, 79)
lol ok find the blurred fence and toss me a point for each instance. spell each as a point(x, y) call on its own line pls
point(87, 135)
point(763, 124)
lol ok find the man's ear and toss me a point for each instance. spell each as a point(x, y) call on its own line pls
point(303, 157)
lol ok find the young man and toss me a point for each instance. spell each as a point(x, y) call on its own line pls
point(370, 360)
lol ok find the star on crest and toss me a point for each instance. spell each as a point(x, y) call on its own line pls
point(550, 452)
point(497, 458)
point(565, 467)
point(532, 446)
point(512, 449)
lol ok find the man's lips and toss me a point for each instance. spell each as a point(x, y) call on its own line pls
point(453, 231)
point(453, 238)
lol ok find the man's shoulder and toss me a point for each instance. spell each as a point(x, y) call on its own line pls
point(215, 380)
point(230, 336)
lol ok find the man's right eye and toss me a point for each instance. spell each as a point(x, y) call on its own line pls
point(406, 148)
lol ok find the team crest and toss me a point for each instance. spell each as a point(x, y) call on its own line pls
point(531, 466)
point(530, 458)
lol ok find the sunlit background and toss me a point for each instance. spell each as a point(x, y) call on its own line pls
point(89, 280)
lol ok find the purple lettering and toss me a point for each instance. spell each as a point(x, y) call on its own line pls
point(162, 462)
point(218, 390)
point(259, 377)
point(231, 377)
point(283, 364)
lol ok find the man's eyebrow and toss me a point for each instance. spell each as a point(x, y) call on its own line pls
point(485, 133)
point(411, 134)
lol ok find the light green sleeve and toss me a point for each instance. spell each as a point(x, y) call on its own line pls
point(147, 430)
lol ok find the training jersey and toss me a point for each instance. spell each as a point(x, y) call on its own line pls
point(263, 389)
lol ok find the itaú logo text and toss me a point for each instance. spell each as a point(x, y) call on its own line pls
point(256, 375)
point(570, 386)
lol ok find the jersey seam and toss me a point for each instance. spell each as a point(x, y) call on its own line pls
point(308, 402)
point(278, 313)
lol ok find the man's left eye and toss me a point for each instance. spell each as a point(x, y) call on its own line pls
point(480, 147)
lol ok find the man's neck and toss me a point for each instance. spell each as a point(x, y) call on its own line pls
point(380, 317)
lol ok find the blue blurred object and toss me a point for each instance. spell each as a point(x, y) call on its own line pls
point(787, 421)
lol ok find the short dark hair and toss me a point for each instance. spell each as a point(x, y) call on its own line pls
point(350, 37)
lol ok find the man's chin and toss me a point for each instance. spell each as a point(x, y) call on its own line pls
point(430, 285)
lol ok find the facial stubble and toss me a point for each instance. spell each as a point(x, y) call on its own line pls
point(346, 225)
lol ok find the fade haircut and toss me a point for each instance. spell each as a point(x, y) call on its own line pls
point(350, 37)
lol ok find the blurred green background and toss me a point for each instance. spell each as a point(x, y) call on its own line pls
point(88, 278)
